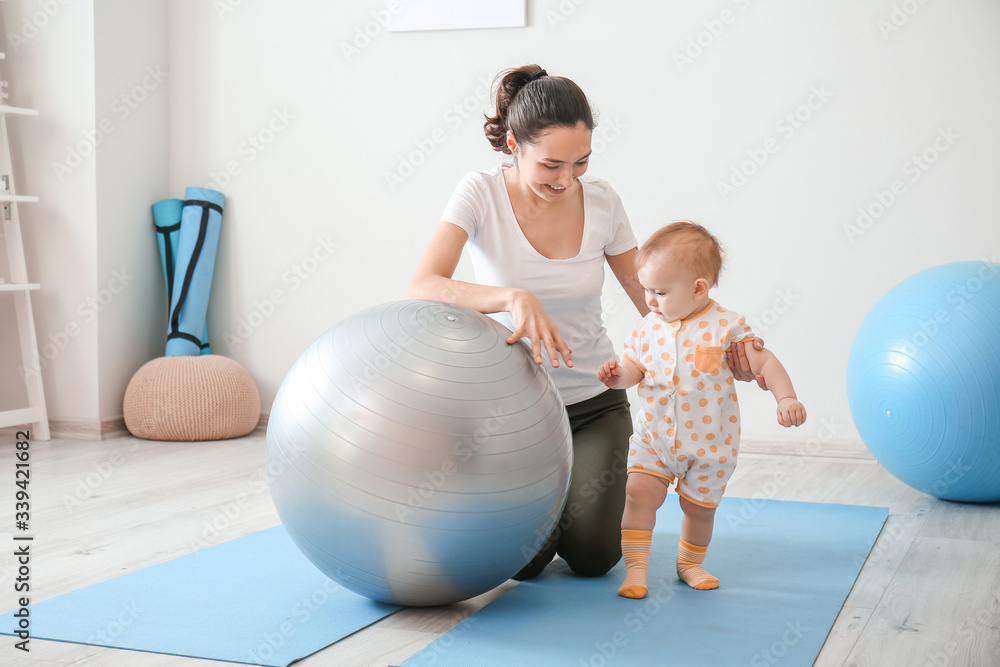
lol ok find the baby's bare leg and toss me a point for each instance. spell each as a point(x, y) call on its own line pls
point(643, 496)
point(696, 533)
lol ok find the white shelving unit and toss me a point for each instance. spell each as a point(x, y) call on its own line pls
point(35, 414)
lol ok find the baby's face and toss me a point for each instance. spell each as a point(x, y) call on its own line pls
point(670, 291)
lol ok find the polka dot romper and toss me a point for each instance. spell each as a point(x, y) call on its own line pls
point(687, 427)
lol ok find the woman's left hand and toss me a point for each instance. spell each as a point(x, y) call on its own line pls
point(736, 359)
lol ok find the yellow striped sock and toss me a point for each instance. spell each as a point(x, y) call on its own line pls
point(689, 560)
point(635, 550)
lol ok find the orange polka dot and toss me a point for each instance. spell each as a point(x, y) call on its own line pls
point(708, 501)
point(641, 334)
point(650, 399)
point(705, 466)
point(701, 385)
point(720, 474)
point(722, 459)
point(689, 424)
point(713, 449)
point(663, 400)
point(670, 432)
point(682, 392)
point(656, 436)
point(700, 452)
point(685, 480)
point(656, 327)
point(648, 359)
point(718, 387)
point(689, 358)
point(703, 402)
point(724, 322)
point(729, 380)
point(683, 327)
point(632, 453)
point(649, 416)
point(645, 347)
point(704, 489)
point(637, 466)
point(665, 356)
point(710, 436)
point(720, 401)
point(741, 321)
point(688, 343)
point(746, 329)
point(729, 440)
point(687, 408)
point(732, 418)
point(677, 380)
point(703, 478)
point(694, 436)
point(703, 324)
point(651, 451)
point(706, 419)
point(695, 374)
point(707, 336)
point(662, 341)
point(735, 453)
point(664, 465)
point(652, 374)
point(720, 309)
point(681, 457)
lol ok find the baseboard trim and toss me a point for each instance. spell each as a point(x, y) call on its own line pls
point(88, 429)
point(840, 449)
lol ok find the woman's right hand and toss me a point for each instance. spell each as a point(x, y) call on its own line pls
point(531, 321)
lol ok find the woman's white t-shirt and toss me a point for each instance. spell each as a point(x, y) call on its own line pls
point(569, 289)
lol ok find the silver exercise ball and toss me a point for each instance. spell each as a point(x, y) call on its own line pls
point(415, 457)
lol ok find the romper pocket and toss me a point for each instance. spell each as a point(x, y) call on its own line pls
point(707, 359)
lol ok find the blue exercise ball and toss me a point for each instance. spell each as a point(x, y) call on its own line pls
point(415, 457)
point(923, 381)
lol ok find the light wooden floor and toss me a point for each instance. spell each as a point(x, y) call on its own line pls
point(928, 595)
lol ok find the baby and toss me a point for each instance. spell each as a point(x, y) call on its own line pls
point(687, 429)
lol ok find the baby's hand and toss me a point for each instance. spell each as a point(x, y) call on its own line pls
point(609, 373)
point(791, 412)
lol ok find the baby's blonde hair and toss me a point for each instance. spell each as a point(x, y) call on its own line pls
point(687, 245)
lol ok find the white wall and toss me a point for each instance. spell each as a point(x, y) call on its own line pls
point(50, 67)
point(675, 132)
point(328, 126)
point(132, 173)
point(97, 156)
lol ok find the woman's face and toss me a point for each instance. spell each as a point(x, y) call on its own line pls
point(551, 165)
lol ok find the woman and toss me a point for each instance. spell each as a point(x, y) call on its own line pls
point(539, 233)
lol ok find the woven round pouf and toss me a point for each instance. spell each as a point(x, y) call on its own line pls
point(207, 397)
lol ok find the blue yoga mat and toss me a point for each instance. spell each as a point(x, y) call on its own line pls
point(785, 570)
point(201, 221)
point(254, 600)
point(167, 222)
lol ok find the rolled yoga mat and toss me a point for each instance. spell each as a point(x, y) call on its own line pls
point(785, 568)
point(201, 220)
point(167, 221)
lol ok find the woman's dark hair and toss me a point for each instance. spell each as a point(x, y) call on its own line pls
point(530, 102)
